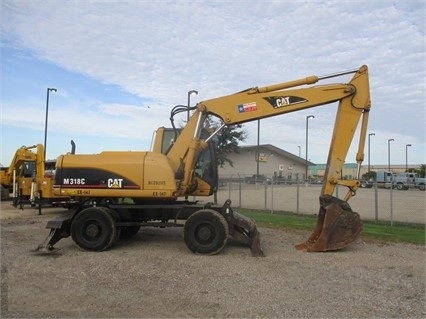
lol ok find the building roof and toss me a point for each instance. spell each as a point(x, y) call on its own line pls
point(279, 151)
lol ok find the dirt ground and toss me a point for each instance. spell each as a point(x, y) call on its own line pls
point(154, 275)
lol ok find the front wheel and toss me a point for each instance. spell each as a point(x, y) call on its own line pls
point(206, 232)
point(94, 229)
point(400, 187)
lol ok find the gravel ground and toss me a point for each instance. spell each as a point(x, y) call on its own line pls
point(154, 275)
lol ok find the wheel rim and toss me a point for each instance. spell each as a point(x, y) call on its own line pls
point(205, 234)
point(92, 230)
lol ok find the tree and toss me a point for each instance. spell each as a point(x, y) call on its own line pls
point(227, 143)
point(421, 170)
point(369, 176)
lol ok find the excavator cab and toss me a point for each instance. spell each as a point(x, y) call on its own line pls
point(206, 165)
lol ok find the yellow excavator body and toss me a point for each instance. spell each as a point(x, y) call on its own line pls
point(182, 163)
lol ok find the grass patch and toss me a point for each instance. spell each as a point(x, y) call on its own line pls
point(382, 231)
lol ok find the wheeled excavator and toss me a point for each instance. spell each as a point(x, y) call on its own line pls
point(16, 179)
point(27, 180)
point(121, 191)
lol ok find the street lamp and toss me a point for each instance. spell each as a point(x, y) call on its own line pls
point(45, 123)
point(258, 150)
point(406, 157)
point(371, 134)
point(306, 154)
point(389, 140)
point(189, 101)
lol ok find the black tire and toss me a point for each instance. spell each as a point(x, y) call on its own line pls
point(206, 232)
point(94, 229)
point(400, 186)
point(116, 218)
point(129, 232)
point(4, 193)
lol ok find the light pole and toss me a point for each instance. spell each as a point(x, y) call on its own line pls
point(306, 153)
point(406, 157)
point(45, 123)
point(258, 150)
point(189, 101)
point(299, 149)
point(371, 134)
point(389, 140)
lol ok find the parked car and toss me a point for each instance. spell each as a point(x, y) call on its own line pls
point(257, 179)
point(278, 180)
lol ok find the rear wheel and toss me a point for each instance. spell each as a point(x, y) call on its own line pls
point(400, 186)
point(206, 232)
point(94, 229)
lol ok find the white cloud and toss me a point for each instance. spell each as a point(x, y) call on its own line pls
point(160, 50)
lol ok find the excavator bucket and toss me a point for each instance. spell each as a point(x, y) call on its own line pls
point(337, 226)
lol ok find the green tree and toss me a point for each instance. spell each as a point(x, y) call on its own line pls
point(228, 142)
point(421, 170)
point(369, 175)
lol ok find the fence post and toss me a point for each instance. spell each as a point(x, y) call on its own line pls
point(376, 202)
point(297, 193)
point(272, 197)
point(229, 188)
point(266, 195)
point(239, 192)
point(391, 204)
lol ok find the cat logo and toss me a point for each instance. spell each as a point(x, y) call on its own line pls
point(115, 182)
point(284, 101)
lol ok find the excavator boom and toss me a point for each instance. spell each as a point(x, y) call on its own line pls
point(337, 225)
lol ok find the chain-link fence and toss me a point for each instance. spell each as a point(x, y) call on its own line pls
point(302, 197)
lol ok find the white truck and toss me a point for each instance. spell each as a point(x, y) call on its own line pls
point(384, 179)
point(404, 181)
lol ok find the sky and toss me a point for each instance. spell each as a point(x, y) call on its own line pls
point(120, 66)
